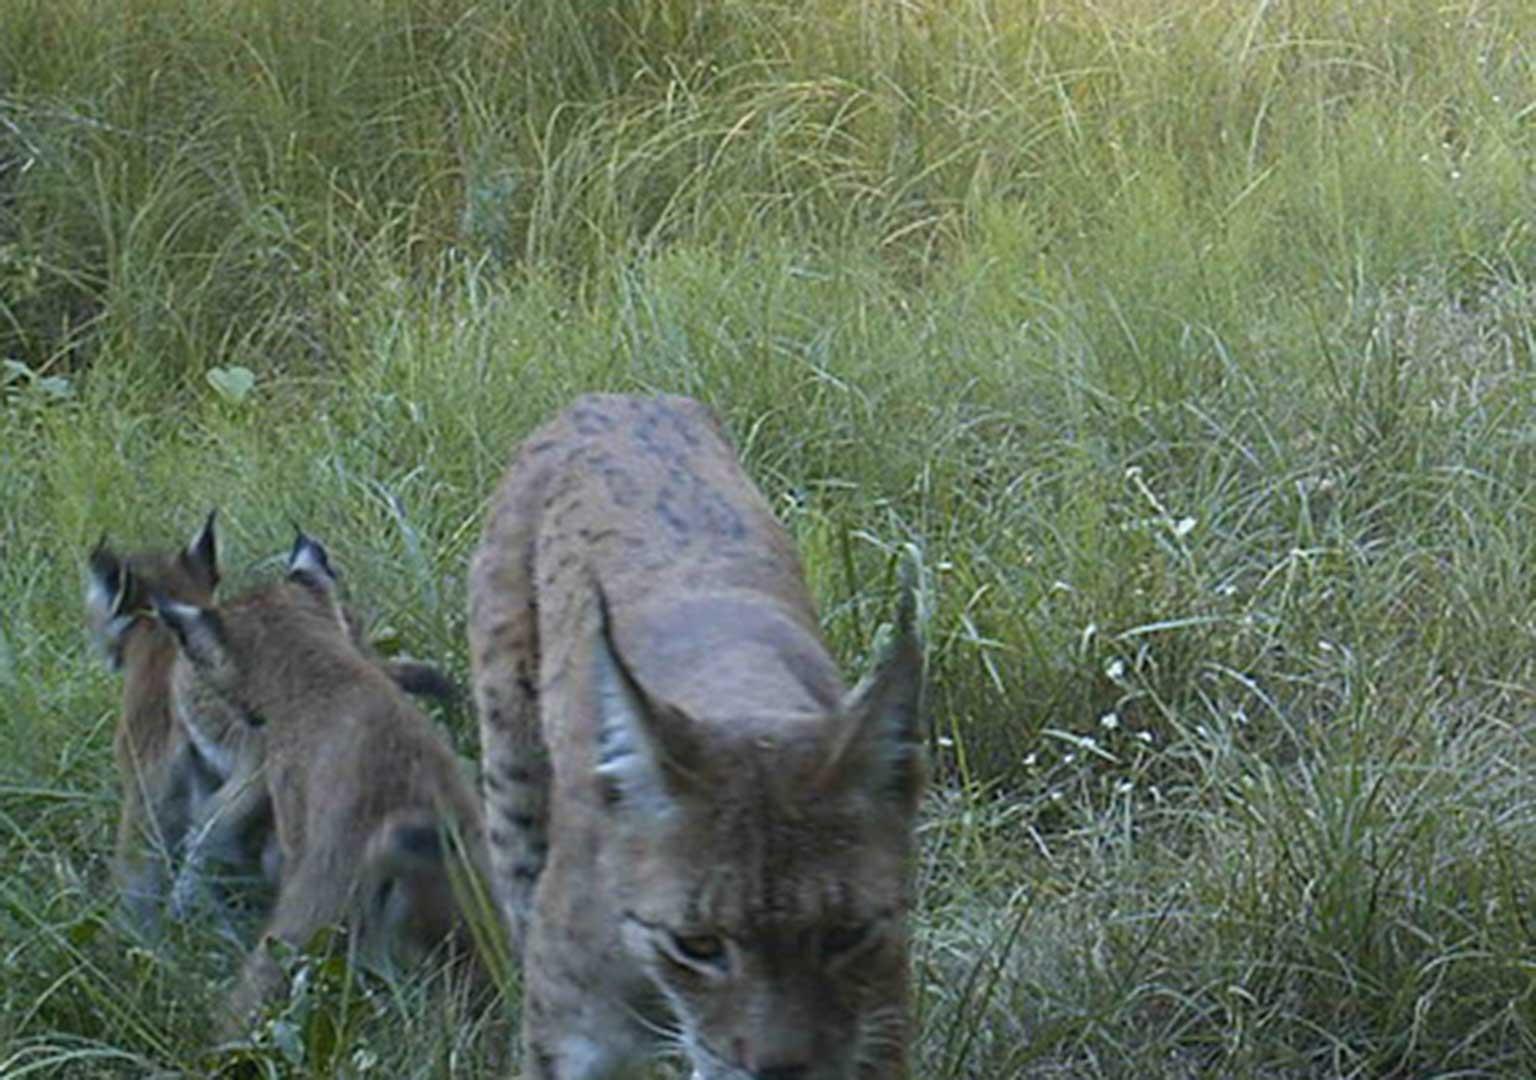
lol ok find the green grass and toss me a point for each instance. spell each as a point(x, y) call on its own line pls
point(1191, 344)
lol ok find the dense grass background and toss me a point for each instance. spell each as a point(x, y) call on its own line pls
point(1191, 344)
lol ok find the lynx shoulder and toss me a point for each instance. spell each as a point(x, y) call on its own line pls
point(695, 826)
point(365, 794)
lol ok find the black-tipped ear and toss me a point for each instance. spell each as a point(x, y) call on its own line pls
point(200, 558)
point(309, 565)
point(108, 582)
point(882, 747)
point(109, 586)
point(646, 750)
point(199, 631)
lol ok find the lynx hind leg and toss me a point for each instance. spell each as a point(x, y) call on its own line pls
point(504, 660)
point(313, 897)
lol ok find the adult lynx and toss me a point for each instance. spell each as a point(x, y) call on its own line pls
point(699, 835)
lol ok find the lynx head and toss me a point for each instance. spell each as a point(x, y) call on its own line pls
point(764, 879)
point(118, 588)
point(228, 655)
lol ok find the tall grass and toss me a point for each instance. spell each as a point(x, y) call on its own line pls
point(1191, 344)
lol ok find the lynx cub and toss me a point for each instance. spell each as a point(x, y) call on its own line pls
point(363, 790)
point(172, 758)
point(700, 837)
point(166, 781)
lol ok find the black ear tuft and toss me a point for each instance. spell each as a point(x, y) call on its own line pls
point(200, 557)
point(109, 580)
point(309, 564)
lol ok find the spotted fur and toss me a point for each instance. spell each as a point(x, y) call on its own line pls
point(701, 837)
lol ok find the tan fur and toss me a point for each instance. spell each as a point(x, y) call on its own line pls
point(364, 791)
point(174, 752)
point(221, 826)
point(698, 834)
point(165, 781)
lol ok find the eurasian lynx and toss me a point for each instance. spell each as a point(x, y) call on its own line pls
point(165, 781)
point(171, 757)
point(364, 792)
point(700, 837)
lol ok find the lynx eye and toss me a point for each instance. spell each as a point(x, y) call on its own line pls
point(841, 940)
point(699, 948)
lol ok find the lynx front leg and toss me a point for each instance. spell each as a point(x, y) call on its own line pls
point(152, 831)
point(218, 830)
point(504, 656)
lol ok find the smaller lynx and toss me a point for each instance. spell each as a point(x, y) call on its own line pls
point(363, 790)
point(702, 838)
point(165, 780)
point(171, 758)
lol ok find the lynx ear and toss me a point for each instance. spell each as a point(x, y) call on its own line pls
point(646, 750)
point(882, 744)
point(200, 557)
point(107, 580)
point(109, 587)
point(310, 566)
point(199, 631)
